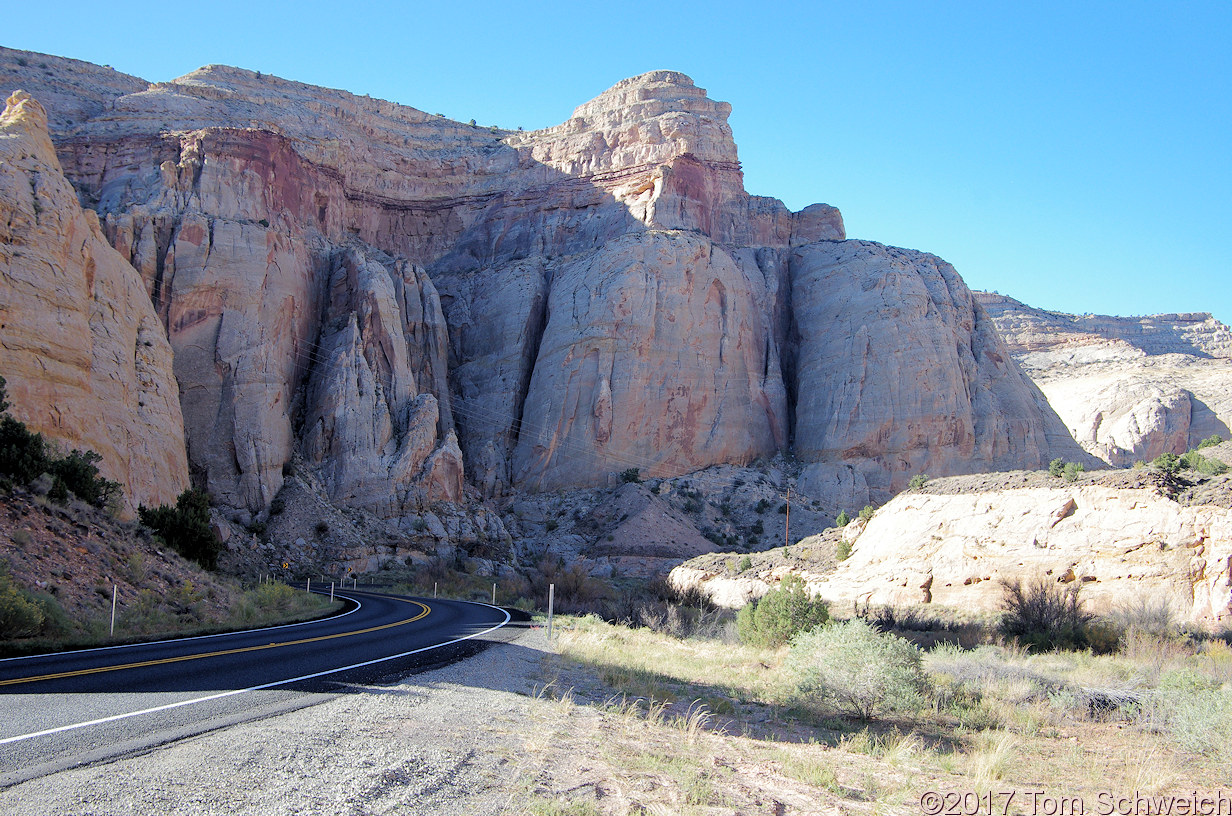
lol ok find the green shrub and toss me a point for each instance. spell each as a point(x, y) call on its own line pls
point(1056, 467)
point(780, 614)
point(1196, 461)
point(1044, 615)
point(1169, 463)
point(25, 455)
point(917, 481)
point(867, 512)
point(746, 563)
point(857, 670)
point(843, 551)
point(1210, 442)
point(186, 527)
point(1201, 721)
point(1071, 471)
point(79, 473)
point(632, 475)
point(843, 519)
point(20, 615)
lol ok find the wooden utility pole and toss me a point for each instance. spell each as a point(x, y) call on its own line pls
point(787, 532)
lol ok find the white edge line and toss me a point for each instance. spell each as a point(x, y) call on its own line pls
point(196, 700)
point(194, 637)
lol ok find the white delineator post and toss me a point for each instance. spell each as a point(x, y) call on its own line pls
point(309, 585)
point(115, 590)
point(331, 591)
point(493, 594)
point(551, 603)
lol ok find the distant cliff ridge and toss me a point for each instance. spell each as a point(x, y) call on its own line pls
point(417, 308)
point(1128, 388)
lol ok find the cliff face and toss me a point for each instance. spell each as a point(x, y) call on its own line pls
point(391, 294)
point(1127, 388)
point(84, 355)
point(1117, 535)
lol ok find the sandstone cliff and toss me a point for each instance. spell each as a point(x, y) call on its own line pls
point(1118, 538)
point(391, 295)
point(85, 356)
point(1127, 388)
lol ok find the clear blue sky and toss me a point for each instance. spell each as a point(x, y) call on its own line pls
point(1077, 156)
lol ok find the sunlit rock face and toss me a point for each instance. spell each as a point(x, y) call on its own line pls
point(1128, 388)
point(413, 304)
point(85, 358)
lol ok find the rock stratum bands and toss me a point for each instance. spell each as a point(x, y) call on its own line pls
point(247, 269)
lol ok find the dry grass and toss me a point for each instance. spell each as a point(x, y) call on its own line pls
point(642, 733)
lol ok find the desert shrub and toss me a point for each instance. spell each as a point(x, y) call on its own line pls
point(20, 615)
point(1056, 467)
point(79, 473)
point(185, 527)
point(843, 551)
point(1146, 614)
point(746, 563)
point(1071, 471)
point(1169, 463)
point(277, 506)
point(858, 671)
point(632, 475)
point(1201, 722)
point(867, 512)
point(762, 505)
point(25, 455)
point(917, 481)
point(1044, 615)
point(780, 614)
point(1202, 464)
point(1210, 442)
point(843, 519)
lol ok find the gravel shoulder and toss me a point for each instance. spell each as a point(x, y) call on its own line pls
point(442, 741)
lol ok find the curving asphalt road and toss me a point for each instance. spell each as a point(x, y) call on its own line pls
point(62, 710)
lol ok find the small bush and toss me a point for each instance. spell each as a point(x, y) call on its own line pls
point(1044, 615)
point(917, 481)
point(1148, 615)
point(1071, 471)
point(1210, 442)
point(277, 506)
point(843, 551)
point(1056, 467)
point(632, 475)
point(867, 512)
point(25, 455)
point(843, 519)
point(1169, 463)
point(857, 670)
point(1196, 461)
point(20, 615)
point(186, 527)
point(780, 614)
point(746, 564)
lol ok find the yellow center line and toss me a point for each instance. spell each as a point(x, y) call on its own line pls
point(182, 658)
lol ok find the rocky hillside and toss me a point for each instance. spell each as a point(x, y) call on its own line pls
point(1130, 388)
point(1119, 535)
point(412, 305)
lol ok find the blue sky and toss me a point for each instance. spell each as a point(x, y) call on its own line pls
point(1077, 156)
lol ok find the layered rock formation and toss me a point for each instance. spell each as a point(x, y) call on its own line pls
point(1128, 389)
point(391, 294)
point(1116, 543)
point(85, 357)
point(901, 373)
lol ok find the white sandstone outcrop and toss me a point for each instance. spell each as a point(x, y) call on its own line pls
point(85, 356)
